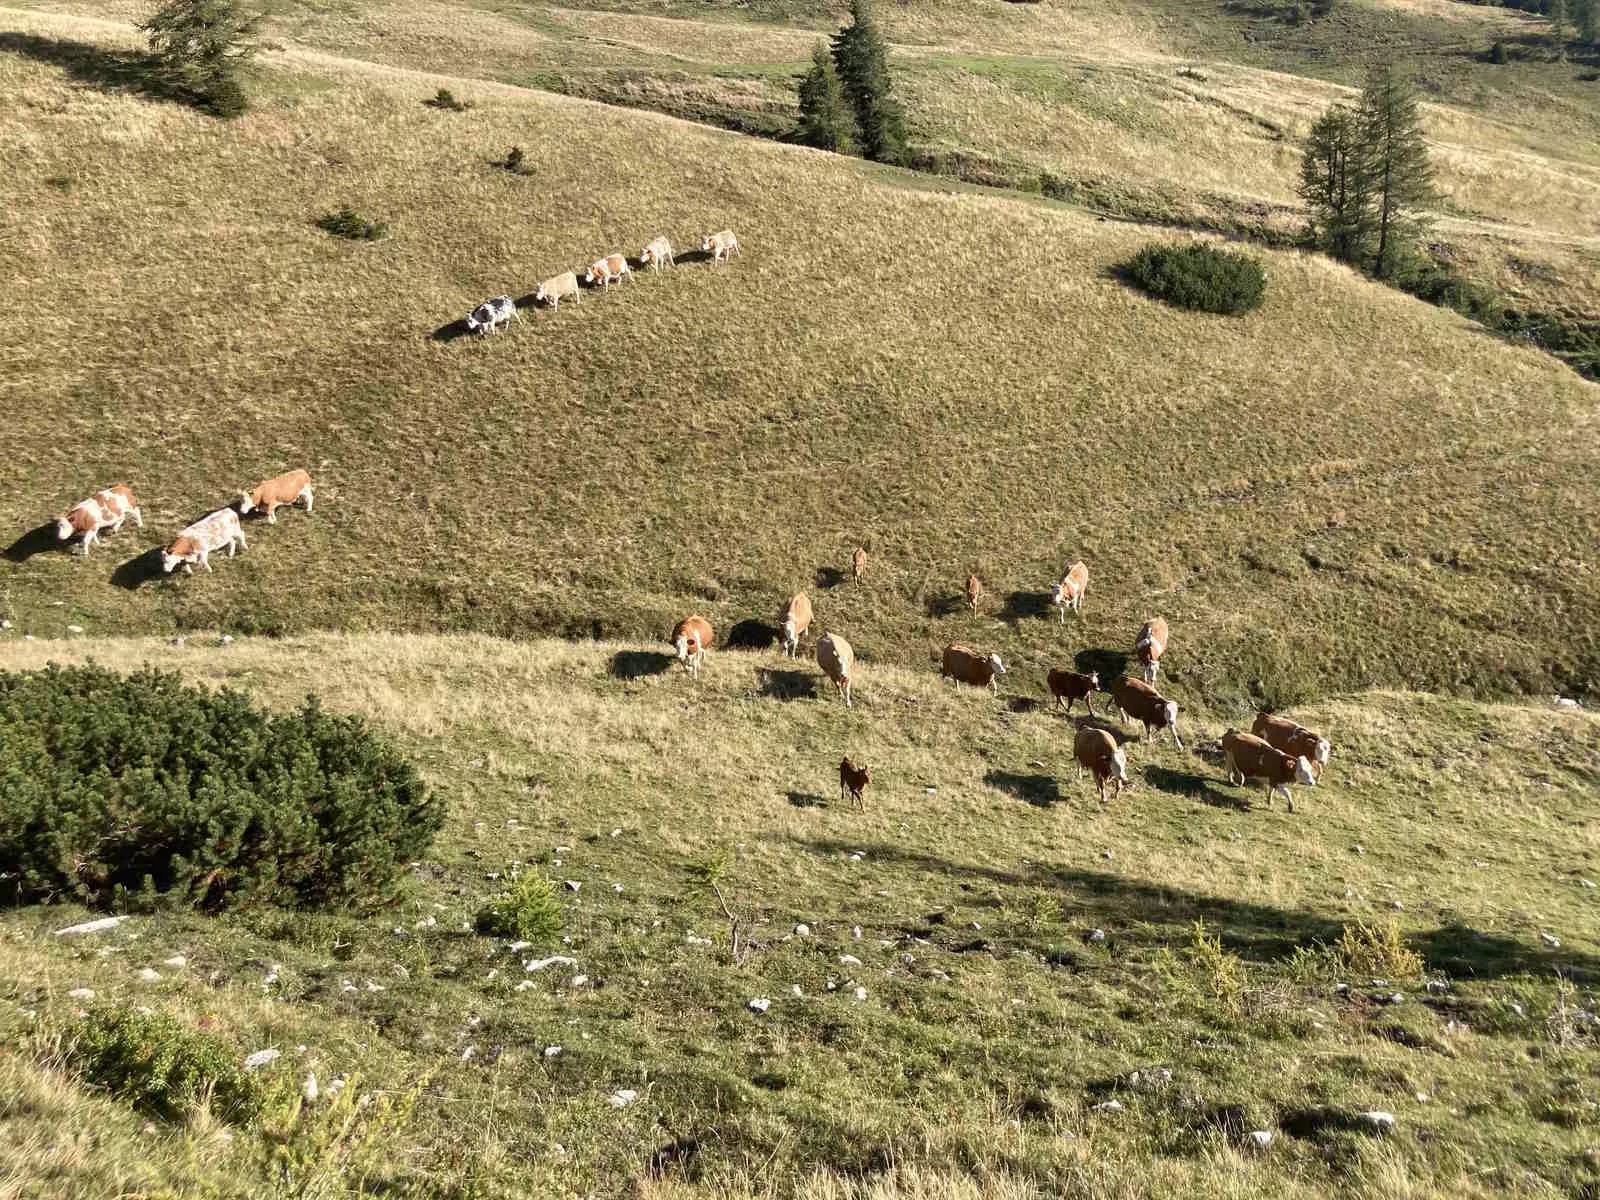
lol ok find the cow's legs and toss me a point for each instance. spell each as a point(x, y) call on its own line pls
point(305, 494)
point(138, 518)
point(272, 512)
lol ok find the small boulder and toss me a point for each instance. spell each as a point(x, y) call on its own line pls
point(760, 1004)
point(261, 1058)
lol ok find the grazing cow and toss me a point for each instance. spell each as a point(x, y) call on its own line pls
point(966, 665)
point(288, 488)
point(1295, 740)
point(554, 289)
point(1068, 687)
point(1069, 591)
point(1152, 644)
point(838, 663)
point(721, 245)
point(853, 781)
point(489, 316)
point(195, 544)
point(656, 253)
point(608, 270)
point(1098, 751)
point(106, 509)
point(858, 566)
point(794, 620)
point(974, 590)
point(1138, 701)
point(1248, 757)
point(692, 638)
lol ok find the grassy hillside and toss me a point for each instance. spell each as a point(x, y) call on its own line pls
point(1346, 488)
point(993, 1022)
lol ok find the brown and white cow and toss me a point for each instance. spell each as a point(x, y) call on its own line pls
point(1283, 734)
point(1097, 750)
point(657, 254)
point(858, 566)
point(853, 781)
point(966, 665)
point(288, 488)
point(721, 245)
point(1069, 591)
point(553, 290)
point(106, 509)
point(613, 268)
point(196, 543)
point(692, 638)
point(838, 662)
point(794, 620)
point(1138, 701)
point(1248, 757)
point(1068, 687)
point(1152, 644)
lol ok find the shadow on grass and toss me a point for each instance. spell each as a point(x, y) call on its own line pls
point(829, 577)
point(1110, 663)
point(1467, 953)
point(807, 800)
point(1027, 606)
point(787, 684)
point(945, 606)
point(637, 664)
point(1041, 791)
point(450, 332)
point(1195, 787)
point(689, 257)
point(129, 71)
point(1023, 704)
point(752, 634)
point(136, 572)
point(35, 541)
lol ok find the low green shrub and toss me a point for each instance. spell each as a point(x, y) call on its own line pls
point(119, 788)
point(528, 910)
point(1196, 275)
point(352, 226)
point(163, 1067)
point(445, 100)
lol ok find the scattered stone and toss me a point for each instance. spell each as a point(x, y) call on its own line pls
point(623, 1097)
point(74, 628)
point(149, 975)
point(1438, 987)
point(563, 849)
point(1261, 1138)
point(616, 833)
point(308, 1089)
point(525, 985)
point(861, 993)
point(5, 624)
point(97, 926)
point(856, 857)
point(552, 1051)
point(539, 964)
point(375, 987)
point(931, 791)
point(260, 1058)
point(975, 925)
point(795, 991)
point(467, 1054)
point(849, 960)
point(802, 930)
point(347, 986)
point(1397, 906)
point(1097, 935)
point(697, 941)
point(1036, 763)
point(1586, 884)
point(616, 887)
point(81, 994)
point(1359, 848)
point(760, 1004)
point(225, 640)
point(27, 637)
point(519, 947)
point(1567, 702)
point(272, 975)
point(577, 981)
point(1108, 1106)
point(1422, 1097)
point(573, 885)
point(1107, 855)
point(1516, 1008)
point(1379, 1121)
point(1549, 939)
point(177, 962)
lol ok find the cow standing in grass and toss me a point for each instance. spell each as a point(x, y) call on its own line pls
point(196, 543)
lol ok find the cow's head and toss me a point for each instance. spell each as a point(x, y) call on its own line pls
point(705, 242)
point(1324, 749)
point(1119, 764)
point(169, 561)
point(1094, 680)
point(594, 273)
point(63, 527)
point(1302, 772)
point(1058, 595)
point(246, 505)
point(1170, 712)
point(646, 255)
point(538, 294)
point(996, 665)
point(788, 629)
point(682, 645)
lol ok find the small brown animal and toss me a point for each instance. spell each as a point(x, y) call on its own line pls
point(1098, 751)
point(1068, 687)
point(853, 780)
point(858, 566)
point(974, 590)
point(691, 638)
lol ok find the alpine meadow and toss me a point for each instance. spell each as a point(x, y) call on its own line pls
point(428, 424)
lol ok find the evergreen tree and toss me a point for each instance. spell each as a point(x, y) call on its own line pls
point(1333, 185)
point(826, 121)
point(1398, 175)
point(1556, 10)
point(862, 61)
point(200, 48)
point(1586, 17)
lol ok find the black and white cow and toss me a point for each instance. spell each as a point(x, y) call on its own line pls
point(491, 314)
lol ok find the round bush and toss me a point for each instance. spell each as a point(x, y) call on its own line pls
point(116, 786)
point(1199, 276)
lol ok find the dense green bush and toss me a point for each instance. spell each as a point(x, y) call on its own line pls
point(117, 786)
point(528, 910)
point(200, 49)
point(1196, 275)
point(352, 226)
point(163, 1067)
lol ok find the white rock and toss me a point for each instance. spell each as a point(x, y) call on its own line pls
point(1107, 855)
point(616, 887)
point(1382, 1121)
point(577, 981)
point(616, 833)
point(519, 947)
point(698, 941)
point(1108, 1106)
point(856, 857)
point(27, 637)
point(97, 926)
point(260, 1058)
point(1422, 1097)
point(308, 1089)
point(1261, 1138)
point(1566, 702)
point(74, 628)
point(149, 975)
point(623, 1097)
point(573, 885)
point(795, 991)
point(375, 987)
point(539, 964)
point(861, 993)
point(5, 624)
point(177, 962)
point(81, 994)
point(1516, 1008)
point(931, 791)
point(856, 933)
point(563, 849)
point(802, 930)
point(552, 1051)
point(1097, 935)
point(347, 986)
point(225, 640)
point(760, 1004)
point(468, 1053)
point(1549, 939)
point(525, 985)
point(1587, 884)
point(849, 960)
point(1359, 848)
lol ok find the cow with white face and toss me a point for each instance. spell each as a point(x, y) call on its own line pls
point(489, 316)
point(196, 543)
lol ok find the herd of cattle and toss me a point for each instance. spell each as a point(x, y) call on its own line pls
point(1276, 752)
point(108, 509)
point(500, 311)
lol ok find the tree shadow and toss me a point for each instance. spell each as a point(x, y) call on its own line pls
point(1110, 663)
point(752, 634)
point(1041, 791)
point(1467, 953)
point(807, 800)
point(109, 70)
point(944, 606)
point(136, 572)
point(1193, 786)
point(1026, 606)
point(450, 332)
point(35, 541)
point(1023, 704)
point(781, 684)
point(637, 664)
point(829, 577)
